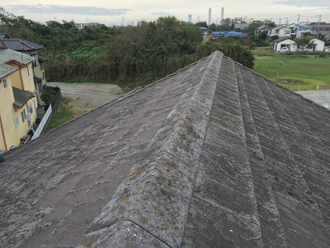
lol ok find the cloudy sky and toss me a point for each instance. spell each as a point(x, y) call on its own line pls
point(113, 12)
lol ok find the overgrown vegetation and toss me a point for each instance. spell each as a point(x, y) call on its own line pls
point(65, 113)
point(128, 56)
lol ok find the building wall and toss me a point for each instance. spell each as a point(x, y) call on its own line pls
point(9, 113)
point(283, 32)
point(319, 45)
point(39, 69)
point(285, 43)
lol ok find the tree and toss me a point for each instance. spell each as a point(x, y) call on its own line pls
point(201, 24)
point(303, 43)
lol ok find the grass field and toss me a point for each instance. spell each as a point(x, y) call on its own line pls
point(307, 72)
point(65, 113)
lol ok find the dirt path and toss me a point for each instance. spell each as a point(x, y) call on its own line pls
point(88, 96)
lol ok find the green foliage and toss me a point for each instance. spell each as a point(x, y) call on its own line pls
point(64, 114)
point(303, 43)
point(47, 95)
point(127, 56)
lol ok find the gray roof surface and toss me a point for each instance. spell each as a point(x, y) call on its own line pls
point(281, 39)
point(214, 155)
point(21, 97)
point(6, 70)
point(42, 59)
point(4, 36)
point(21, 45)
point(7, 55)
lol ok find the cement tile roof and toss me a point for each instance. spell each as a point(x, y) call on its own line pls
point(214, 155)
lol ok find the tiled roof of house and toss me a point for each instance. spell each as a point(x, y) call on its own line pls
point(21, 45)
point(4, 36)
point(21, 97)
point(6, 70)
point(281, 39)
point(7, 55)
point(214, 155)
point(322, 32)
point(42, 59)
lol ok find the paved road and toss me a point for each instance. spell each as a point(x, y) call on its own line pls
point(88, 95)
point(321, 97)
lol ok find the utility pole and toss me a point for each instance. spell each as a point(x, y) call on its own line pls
point(298, 21)
point(318, 30)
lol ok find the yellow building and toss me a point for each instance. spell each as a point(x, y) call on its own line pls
point(31, 49)
point(17, 97)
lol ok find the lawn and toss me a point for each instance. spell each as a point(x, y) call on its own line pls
point(306, 72)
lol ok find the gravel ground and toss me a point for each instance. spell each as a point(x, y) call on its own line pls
point(321, 97)
point(88, 96)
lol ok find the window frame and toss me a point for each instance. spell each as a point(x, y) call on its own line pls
point(30, 108)
point(23, 115)
point(16, 120)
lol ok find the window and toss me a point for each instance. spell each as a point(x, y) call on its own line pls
point(41, 66)
point(5, 83)
point(16, 122)
point(28, 70)
point(30, 108)
point(23, 114)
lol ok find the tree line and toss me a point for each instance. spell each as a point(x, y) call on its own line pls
point(128, 56)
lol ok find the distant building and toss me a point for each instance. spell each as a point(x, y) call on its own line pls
point(82, 25)
point(17, 94)
point(190, 18)
point(321, 27)
point(31, 49)
point(225, 34)
point(241, 26)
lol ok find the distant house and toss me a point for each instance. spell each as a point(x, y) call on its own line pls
point(264, 28)
point(302, 31)
point(241, 26)
point(31, 49)
point(322, 34)
point(284, 42)
point(82, 25)
point(204, 30)
point(321, 27)
point(18, 102)
point(291, 44)
point(318, 45)
point(281, 31)
point(224, 34)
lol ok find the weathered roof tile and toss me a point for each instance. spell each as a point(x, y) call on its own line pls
point(213, 155)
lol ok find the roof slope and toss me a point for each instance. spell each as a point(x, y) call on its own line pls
point(7, 55)
point(214, 155)
point(21, 45)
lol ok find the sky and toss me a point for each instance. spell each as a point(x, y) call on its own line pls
point(116, 12)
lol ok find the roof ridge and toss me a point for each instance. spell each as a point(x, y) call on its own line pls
point(169, 164)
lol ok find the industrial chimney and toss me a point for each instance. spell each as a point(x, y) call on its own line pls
point(222, 12)
point(209, 17)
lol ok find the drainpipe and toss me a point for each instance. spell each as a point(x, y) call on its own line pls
point(3, 134)
point(21, 78)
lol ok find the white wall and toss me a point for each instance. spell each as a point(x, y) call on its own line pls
point(288, 43)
